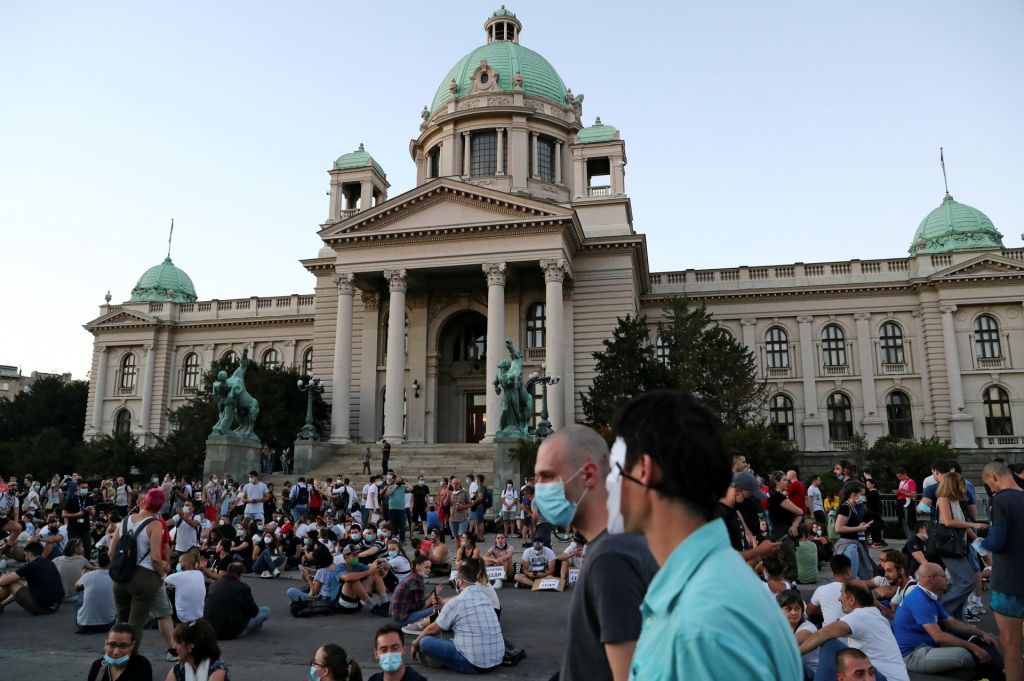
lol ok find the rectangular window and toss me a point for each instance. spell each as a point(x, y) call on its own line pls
point(546, 159)
point(483, 153)
point(434, 163)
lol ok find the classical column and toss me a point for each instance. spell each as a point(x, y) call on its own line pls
point(147, 387)
point(365, 195)
point(101, 390)
point(208, 356)
point(333, 212)
point(749, 327)
point(341, 384)
point(554, 273)
point(873, 422)
point(394, 377)
point(961, 423)
point(500, 168)
point(495, 272)
point(558, 162)
point(533, 164)
point(815, 435)
point(465, 154)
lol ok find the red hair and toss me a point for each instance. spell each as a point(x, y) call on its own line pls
point(154, 500)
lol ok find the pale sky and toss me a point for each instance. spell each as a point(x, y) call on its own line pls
point(756, 132)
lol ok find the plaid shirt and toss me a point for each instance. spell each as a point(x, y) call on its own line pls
point(472, 618)
point(459, 497)
point(408, 597)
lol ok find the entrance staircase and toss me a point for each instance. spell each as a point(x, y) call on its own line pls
point(433, 461)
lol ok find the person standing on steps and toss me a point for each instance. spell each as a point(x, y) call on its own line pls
point(385, 453)
point(366, 460)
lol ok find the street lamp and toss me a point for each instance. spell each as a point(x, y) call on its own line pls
point(310, 387)
point(544, 426)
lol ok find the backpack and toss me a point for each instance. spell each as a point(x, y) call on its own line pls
point(302, 497)
point(342, 502)
point(832, 534)
point(122, 567)
point(488, 497)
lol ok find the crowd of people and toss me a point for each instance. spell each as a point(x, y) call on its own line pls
point(684, 562)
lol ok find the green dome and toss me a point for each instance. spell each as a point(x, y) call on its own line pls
point(360, 158)
point(153, 285)
point(598, 132)
point(506, 57)
point(955, 227)
point(502, 12)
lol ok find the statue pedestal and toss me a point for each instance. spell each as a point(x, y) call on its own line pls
point(505, 467)
point(309, 454)
point(227, 456)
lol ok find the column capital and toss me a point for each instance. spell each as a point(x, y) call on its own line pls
point(554, 270)
point(862, 316)
point(947, 308)
point(805, 319)
point(465, 133)
point(398, 280)
point(748, 322)
point(371, 301)
point(345, 281)
point(495, 272)
point(102, 349)
point(535, 133)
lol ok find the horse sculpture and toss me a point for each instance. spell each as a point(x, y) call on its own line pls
point(237, 406)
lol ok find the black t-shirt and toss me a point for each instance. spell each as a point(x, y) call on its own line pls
point(732, 526)
point(750, 511)
point(605, 606)
point(137, 669)
point(44, 582)
point(780, 517)
point(873, 501)
point(78, 504)
point(419, 495)
point(853, 518)
point(1008, 512)
point(229, 606)
point(913, 544)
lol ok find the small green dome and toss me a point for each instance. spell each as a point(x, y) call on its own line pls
point(154, 284)
point(507, 58)
point(598, 132)
point(502, 12)
point(360, 158)
point(954, 227)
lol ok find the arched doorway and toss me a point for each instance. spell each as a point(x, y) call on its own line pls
point(462, 378)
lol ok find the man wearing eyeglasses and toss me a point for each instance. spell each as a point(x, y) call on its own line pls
point(669, 469)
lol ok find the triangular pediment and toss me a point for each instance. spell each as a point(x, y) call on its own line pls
point(445, 203)
point(983, 266)
point(121, 317)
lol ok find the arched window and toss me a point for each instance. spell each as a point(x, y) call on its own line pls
point(129, 373)
point(272, 359)
point(840, 417)
point(777, 348)
point(890, 342)
point(986, 337)
point(230, 357)
point(307, 362)
point(998, 420)
point(780, 412)
point(471, 342)
point(833, 346)
point(661, 350)
point(898, 414)
point(123, 422)
point(726, 333)
point(190, 373)
point(536, 319)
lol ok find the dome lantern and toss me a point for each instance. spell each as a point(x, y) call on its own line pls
point(503, 25)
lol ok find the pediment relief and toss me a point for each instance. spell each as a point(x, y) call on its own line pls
point(984, 266)
point(121, 318)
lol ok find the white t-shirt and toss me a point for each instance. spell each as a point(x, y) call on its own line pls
point(366, 491)
point(537, 561)
point(97, 599)
point(814, 501)
point(372, 495)
point(189, 593)
point(254, 490)
point(509, 497)
point(62, 531)
point(353, 501)
point(473, 487)
point(872, 634)
point(827, 598)
point(186, 536)
point(810, 659)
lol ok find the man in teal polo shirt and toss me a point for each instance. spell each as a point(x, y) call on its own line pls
point(706, 614)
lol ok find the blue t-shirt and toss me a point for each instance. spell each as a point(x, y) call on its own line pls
point(930, 490)
point(432, 522)
point(917, 609)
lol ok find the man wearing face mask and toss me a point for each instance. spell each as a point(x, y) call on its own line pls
point(420, 492)
point(604, 615)
point(669, 468)
point(189, 587)
point(78, 514)
point(186, 536)
point(388, 648)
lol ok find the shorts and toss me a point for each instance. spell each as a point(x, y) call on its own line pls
point(1009, 605)
point(25, 599)
point(508, 516)
point(459, 527)
point(161, 604)
point(478, 514)
point(419, 514)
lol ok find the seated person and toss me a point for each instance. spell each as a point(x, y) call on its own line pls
point(931, 641)
point(862, 627)
point(894, 584)
point(362, 585)
point(854, 665)
point(230, 607)
point(189, 586)
point(477, 645)
point(469, 549)
point(388, 648)
point(36, 586)
point(70, 567)
point(572, 557)
point(807, 557)
point(324, 585)
point(500, 555)
point(792, 604)
point(915, 547)
point(216, 566)
point(399, 566)
point(538, 563)
point(773, 569)
point(485, 584)
point(372, 547)
point(435, 549)
point(120, 659)
point(53, 538)
point(268, 559)
point(96, 609)
point(410, 603)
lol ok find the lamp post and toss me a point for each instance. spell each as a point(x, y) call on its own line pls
point(310, 387)
point(544, 426)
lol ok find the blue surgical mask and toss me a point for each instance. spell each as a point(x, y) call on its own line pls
point(393, 554)
point(312, 673)
point(553, 505)
point(177, 568)
point(116, 661)
point(354, 536)
point(390, 662)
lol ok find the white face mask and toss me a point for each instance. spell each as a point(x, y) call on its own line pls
point(613, 483)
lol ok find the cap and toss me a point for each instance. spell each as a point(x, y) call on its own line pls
point(351, 548)
point(748, 483)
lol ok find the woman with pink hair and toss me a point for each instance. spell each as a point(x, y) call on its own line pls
point(134, 597)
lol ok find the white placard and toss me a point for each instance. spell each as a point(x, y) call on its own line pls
point(453, 576)
point(574, 575)
point(547, 584)
point(495, 572)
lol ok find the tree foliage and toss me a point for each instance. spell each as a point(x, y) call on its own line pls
point(41, 428)
point(624, 369)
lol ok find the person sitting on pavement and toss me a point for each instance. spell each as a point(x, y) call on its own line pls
point(119, 662)
point(331, 663)
point(792, 604)
point(230, 607)
point(931, 641)
point(324, 585)
point(53, 537)
point(268, 556)
point(500, 555)
point(399, 566)
point(894, 584)
point(436, 549)
point(189, 586)
point(388, 650)
point(478, 645)
point(572, 558)
point(198, 654)
point(807, 557)
point(854, 665)
point(361, 585)
point(373, 547)
point(70, 567)
point(410, 603)
point(773, 569)
point(825, 600)
point(468, 550)
point(863, 627)
point(485, 584)
point(538, 563)
point(216, 566)
point(96, 609)
point(36, 586)
point(915, 547)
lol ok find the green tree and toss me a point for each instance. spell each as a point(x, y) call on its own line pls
point(761, 444)
point(41, 428)
point(624, 369)
point(110, 455)
point(889, 454)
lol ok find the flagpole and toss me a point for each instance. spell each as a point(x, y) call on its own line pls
point(942, 162)
point(169, 237)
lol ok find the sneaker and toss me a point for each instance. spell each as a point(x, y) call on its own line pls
point(497, 584)
point(516, 585)
point(413, 629)
point(172, 655)
point(265, 575)
point(971, 619)
point(276, 573)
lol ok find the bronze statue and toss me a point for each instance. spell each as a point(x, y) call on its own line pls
point(236, 405)
point(516, 400)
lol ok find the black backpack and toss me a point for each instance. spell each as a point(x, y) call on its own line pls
point(302, 498)
point(488, 498)
point(122, 567)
